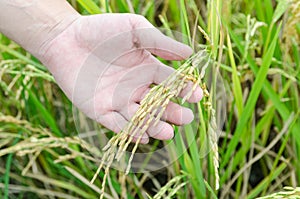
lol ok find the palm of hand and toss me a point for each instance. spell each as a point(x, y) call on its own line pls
point(104, 64)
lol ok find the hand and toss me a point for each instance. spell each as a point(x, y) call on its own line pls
point(105, 65)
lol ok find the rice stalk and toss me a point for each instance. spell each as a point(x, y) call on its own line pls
point(31, 162)
point(290, 34)
point(42, 192)
point(122, 180)
point(288, 192)
point(151, 110)
point(22, 123)
point(171, 188)
point(35, 144)
point(212, 134)
point(39, 139)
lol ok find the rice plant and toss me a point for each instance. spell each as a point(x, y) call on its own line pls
point(253, 45)
point(151, 110)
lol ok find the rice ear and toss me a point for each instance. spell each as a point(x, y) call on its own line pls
point(151, 110)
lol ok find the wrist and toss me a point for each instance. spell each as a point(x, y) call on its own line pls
point(58, 16)
point(50, 32)
point(34, 23)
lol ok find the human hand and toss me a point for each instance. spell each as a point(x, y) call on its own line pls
point(105, 65)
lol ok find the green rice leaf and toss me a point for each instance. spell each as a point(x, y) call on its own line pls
point(90, 6)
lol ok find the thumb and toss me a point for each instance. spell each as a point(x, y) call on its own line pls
point(148, 37)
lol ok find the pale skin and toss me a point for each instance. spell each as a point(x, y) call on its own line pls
point(104, 63)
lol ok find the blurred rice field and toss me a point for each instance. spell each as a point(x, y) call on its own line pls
point(50, 150)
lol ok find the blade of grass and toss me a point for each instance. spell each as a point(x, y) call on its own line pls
point(214, 15)
point(191, 139)
point(269, 93)
point(282, 147)
point(264, 125)
point(282, 6)
point(237, 90)
point(106, 6)
point(192, 172)
point(260, 12)
point(264, 183)
point(280, 9)
point(257, 157)
point(45, 114)
point(179, 147)
point(90, 6)
point(269, 10)
point(214, 196)
point(251, 102)
point(7, 170)
point(184, 23)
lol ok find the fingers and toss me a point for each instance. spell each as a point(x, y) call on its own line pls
point(113, 121)
point(164, 71)
point(140, 94)
point(174, 113)
point(116, 123)
point(162, 130)
point(197, 93)
point(196, 96)
point(150, 38)
point(177, 114)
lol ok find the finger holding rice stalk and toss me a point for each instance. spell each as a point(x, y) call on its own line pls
point(151, 111)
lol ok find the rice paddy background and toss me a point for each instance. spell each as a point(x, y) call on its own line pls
point(255, 47)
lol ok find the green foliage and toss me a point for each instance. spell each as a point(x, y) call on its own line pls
point(254, 46)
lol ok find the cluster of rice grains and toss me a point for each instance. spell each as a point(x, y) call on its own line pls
point(151, 110)
point(288, 192)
